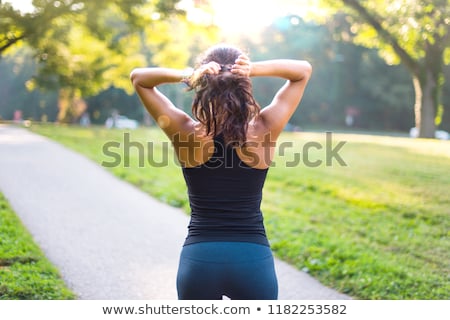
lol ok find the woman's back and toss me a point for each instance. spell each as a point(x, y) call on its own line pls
point(225, 197)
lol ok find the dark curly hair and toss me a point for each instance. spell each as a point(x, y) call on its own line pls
point(224, 103)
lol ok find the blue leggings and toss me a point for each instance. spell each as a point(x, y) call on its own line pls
point(238, 270)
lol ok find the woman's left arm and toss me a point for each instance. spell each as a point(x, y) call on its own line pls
point(172, 120)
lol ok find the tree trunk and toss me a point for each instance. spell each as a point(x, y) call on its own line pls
point(425, 105)
point(71, 106)
point(64, 98)
point(428, 84)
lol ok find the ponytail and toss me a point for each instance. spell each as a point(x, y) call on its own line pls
point(224, 103)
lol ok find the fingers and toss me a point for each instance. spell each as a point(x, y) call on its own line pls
point(210, 68)
point(242, 66)
point(242, 60)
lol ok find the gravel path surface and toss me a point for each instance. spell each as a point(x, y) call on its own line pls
point(108, 239)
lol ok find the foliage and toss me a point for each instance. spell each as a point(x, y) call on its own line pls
point(411, 25)
point(375, 229)
point(80, 45)
point(345, 77)
point(47, 15)
point(15, 72)
point(415, 33)
point(25, 273)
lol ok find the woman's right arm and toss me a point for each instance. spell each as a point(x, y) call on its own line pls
point(297, 73)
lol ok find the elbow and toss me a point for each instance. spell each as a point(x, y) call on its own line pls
point(309, 68)
point(142, 77)
point(301, 70)
point(139, 77)
point(306, 70)
point(134, 77)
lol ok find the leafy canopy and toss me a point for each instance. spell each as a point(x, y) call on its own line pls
point(400, 29)
point(88, 46)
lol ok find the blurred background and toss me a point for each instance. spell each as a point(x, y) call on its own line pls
point(379, 66)
point(376, 227)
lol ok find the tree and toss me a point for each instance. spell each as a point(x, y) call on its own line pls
point(348, 79)
point(76, 45)
point(17, 26)
point(414, 33)
point(15, 70)
point(80, 45)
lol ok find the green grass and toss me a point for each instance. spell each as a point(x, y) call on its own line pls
point(25, 273)
point(377, 228)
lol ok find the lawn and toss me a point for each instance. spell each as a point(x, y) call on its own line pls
point(25, 273)
point(371, 220)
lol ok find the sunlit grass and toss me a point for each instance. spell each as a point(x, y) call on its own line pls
point(419, 146)
point(375, 228)
point(25, 273)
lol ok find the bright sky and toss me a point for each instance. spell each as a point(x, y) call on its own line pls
point(247, 16)
point(23, 5)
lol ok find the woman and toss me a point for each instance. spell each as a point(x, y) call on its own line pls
point(225, 154)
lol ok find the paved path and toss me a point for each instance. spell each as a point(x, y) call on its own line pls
point(108, 239)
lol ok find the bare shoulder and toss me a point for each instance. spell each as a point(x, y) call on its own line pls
point(259, 132)
point(259, 149)
point(193, 147)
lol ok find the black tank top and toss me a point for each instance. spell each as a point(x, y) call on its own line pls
point(225, 196)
